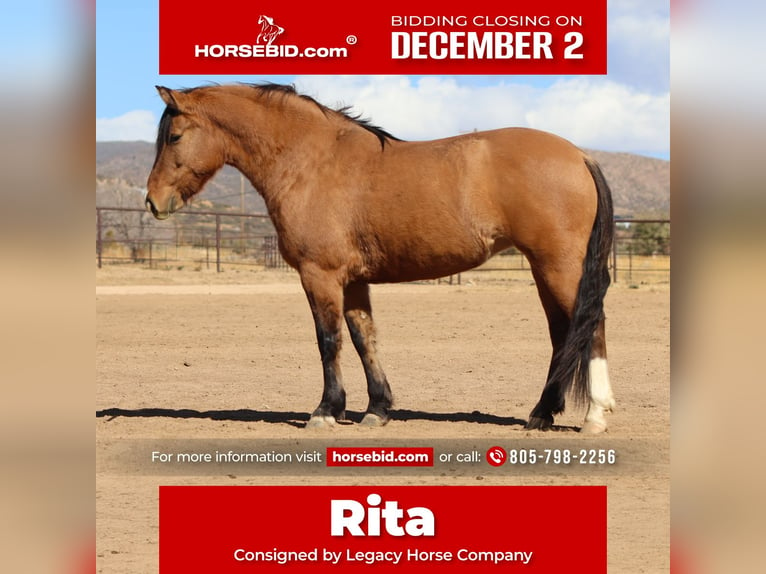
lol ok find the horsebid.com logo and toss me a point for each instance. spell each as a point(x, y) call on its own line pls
point(264, 46)
point(269, 30)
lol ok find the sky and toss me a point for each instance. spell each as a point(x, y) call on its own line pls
point(42, 42)
point(627, 110)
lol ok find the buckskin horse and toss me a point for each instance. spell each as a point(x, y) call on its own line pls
point(353, 205)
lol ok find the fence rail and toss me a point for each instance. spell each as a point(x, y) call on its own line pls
point(220, 240)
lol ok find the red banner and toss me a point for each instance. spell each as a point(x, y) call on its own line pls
point(532, 529)
point(380, 456)
point(396, 37)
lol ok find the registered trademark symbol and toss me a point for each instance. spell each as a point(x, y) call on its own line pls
point(351, 39)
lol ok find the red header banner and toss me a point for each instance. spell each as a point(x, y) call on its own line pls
point(222, 529)
point(395, 37)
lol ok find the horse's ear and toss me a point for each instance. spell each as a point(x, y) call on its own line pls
point(167, 96)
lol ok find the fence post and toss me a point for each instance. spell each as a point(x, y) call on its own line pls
point(614, 253)
point(99, 244)
point(217, 243)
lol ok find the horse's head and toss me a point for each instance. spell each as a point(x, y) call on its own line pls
point(188, 154)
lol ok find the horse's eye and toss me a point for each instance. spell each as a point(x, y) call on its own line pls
point(174, 138)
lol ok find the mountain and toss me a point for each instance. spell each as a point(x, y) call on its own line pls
point(640, 185)
point(123, 167)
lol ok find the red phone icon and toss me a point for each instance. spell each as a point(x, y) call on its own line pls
point(496, 456)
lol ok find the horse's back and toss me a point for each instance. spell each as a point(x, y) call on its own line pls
point(517, 184)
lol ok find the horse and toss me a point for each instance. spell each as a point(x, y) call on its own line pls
point(353, 205)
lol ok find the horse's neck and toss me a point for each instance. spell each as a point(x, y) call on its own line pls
point(275, 154)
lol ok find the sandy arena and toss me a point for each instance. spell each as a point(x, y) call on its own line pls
point(185, 355)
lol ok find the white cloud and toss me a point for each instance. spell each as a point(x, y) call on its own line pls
point(130, 126)
point(604, 115)
point(593, 112)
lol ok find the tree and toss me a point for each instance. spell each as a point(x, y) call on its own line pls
point(128, 227)
point(651, 238)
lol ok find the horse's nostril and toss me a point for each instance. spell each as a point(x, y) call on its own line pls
point(150, 206)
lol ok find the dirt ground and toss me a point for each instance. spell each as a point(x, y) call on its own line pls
point(232, 357)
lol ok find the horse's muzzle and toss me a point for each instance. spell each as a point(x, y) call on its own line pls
point(156, 212)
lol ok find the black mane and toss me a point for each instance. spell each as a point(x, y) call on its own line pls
point(163, 131)
point(289, 89)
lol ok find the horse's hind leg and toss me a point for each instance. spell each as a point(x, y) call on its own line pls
point(358, 312)
point(558, 291)
point(601, 399)
point(325, 295)
point(558, 306)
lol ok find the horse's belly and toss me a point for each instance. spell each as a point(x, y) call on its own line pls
point(420, 260)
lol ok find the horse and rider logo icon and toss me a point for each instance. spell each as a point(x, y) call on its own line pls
point(269, 30)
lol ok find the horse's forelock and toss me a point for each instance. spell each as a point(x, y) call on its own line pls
point(163, 129)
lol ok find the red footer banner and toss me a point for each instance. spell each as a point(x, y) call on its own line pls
point(357, 528)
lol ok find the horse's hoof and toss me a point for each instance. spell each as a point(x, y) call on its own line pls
point(319, 421)
point(373, 420)
point(539, 423)
point(591, 427)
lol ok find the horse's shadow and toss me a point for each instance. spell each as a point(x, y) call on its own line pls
point(299, 420)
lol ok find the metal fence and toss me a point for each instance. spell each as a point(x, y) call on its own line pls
point(203, 239)
point(220, 240)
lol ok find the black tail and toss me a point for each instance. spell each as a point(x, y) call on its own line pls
point(571, 366)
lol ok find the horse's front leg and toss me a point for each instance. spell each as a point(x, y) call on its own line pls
point(358, 312)
point(325, 295)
